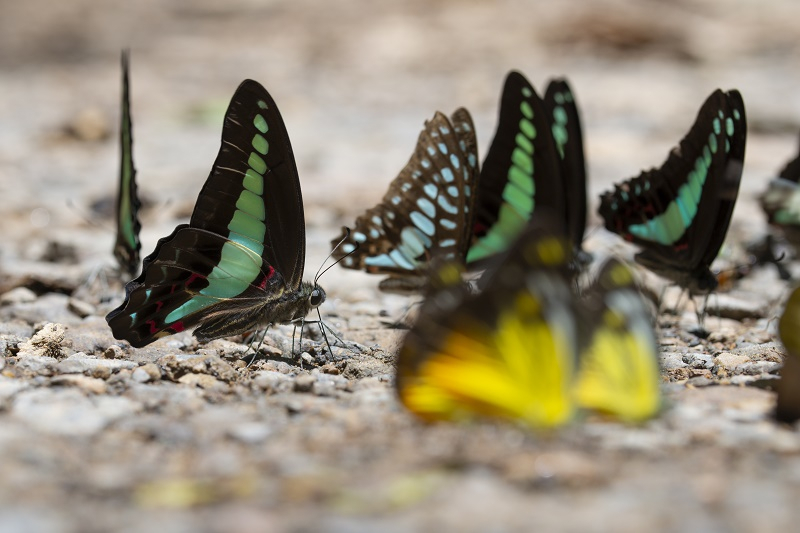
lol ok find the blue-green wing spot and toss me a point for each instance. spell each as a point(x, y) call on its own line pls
point(127, 244)
point(519, 174)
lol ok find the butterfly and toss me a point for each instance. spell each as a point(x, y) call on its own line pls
point(532, 133)
point(239, 262)
point(788, 388)
point(522, 350)
point(679, 213)
point(619, 372)
point(127, 244)
point(427, 209)
point(535, 162)
point(781, 201)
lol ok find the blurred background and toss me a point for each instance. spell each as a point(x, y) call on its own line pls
point(355, 82)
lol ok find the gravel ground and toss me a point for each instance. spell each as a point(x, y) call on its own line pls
point(177, 436)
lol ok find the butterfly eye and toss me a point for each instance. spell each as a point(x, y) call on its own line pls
point(317, 297)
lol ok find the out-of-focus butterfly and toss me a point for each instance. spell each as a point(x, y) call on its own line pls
point(781, 203)
point(679, 213)
point(239, 262)
point(127, 244)
point(522, 350)
point(788, 388)
point(619, 372)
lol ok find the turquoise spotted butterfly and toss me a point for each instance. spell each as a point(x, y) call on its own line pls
point(238, 264)
point(679, 213)
point(441, 205)
point(427, 209)
point(127, 244)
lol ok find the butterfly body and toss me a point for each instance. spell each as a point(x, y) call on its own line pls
point(238, 264)
point(127, 244)
point(679, 213)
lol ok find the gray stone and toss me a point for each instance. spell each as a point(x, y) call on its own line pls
point(304, 383)
point(80, 363)
point(69, 411)
point(81, 308)
point(20, 295)
point(147, 372)
point(271, 381)
point(250, 432)
point(85, 383)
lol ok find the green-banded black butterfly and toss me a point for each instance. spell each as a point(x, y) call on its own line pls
point(239, 262)
point(522, 350)
point(426, 211)
point(127, 245)
point(679, 213)
point(781, 201)
point(535, 162)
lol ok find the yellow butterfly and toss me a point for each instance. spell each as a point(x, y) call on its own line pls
point(788, 407)
point(515, 351)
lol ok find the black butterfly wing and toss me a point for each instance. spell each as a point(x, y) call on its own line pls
point(565, 124)
point(679, 213)
point(519, 175)
point(255, 175)
point(791, 171)
point(127, 244)
point(223, 271)
point(428, 208)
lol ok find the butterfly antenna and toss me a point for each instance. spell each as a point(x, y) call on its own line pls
point(320, 272)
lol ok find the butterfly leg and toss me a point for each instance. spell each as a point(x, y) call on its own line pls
point(255, 351)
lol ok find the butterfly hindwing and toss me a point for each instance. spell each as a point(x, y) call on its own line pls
point(127, 245)
point(520, 173)
point(679, 213)
point(428, 207)
point(230, 268)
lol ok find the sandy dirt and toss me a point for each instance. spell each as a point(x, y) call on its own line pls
point(178, 436)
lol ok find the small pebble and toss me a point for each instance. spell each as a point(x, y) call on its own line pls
point(20, 295)
point(81, 308)
point(146, 373)
point(304, 383)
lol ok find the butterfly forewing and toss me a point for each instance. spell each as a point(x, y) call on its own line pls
point(428, 207)
point(253, 192)
point(223, 272)
point(565, 126)
point(127, 244)
point(520, 173)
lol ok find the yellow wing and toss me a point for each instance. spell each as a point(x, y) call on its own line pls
point(519, 368)
point(619, 372)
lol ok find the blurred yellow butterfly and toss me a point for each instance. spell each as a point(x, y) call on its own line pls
point(526, 349)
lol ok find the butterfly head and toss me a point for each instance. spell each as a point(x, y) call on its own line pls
point(316, 297)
